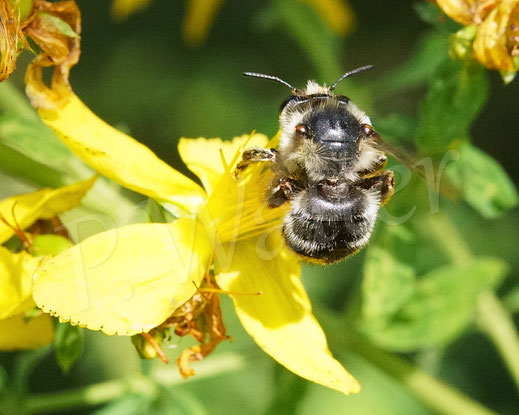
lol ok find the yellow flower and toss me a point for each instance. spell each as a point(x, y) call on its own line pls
point(497, 39)
point(491, 35)
point(467, 12)
point(131, 279)
point(17, 269)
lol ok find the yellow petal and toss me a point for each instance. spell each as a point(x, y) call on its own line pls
point(16, 272)
point(495, 39)
point(16, 333)
point(467, 12)
point(337, 14)
point(198, 18)
point(121, 9)
point(120, 157)
point(237, 206)
point(280, 319)
point(43, 204)
point(202, 156)
point(127, 280)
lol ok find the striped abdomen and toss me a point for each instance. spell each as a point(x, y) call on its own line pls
point(327, 223)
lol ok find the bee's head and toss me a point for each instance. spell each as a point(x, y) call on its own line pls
point(331, 125)
point(330, 121)
point(317, 114)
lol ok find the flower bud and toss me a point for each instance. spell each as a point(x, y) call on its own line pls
point(145, 348)
point(460, 43)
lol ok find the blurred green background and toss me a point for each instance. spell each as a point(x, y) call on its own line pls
point(141, 76)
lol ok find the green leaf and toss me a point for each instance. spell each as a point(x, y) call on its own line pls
point(35, 140)
point(430, 52)
point(17, 165)
point(57, 24)
point(482, 182)
point(432, 14)
point(442, 305)
point(28, 148)
point(456, 95)
point(158, 400)
point(176, 402)
point(129, 404)
point(68, 345)
point(396, 127)
point(14, 102)
point(387, 285)
point(428, 12)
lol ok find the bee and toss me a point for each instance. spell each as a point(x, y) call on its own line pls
point(329, 166)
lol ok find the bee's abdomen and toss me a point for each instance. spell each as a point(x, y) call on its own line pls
point(327, 231)
point(318, 240)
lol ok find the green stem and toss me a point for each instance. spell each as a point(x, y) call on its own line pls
point(449, 239)
point(87, 396)
point(497, 323)
point(493, 318)
point(437, 395)
point(434, 393)
point(104, 392)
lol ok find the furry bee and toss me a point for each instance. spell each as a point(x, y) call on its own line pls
point(329, 166)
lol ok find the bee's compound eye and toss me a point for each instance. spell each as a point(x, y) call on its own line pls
point(301, 131)
point(367, 129)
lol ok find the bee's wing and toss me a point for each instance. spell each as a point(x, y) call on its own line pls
point(425, 168)
point(404, 157)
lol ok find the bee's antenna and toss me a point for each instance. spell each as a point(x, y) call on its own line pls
point(271, 77)
point(350, 73)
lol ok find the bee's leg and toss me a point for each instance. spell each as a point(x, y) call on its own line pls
point(281, 191)
point(376, 168)
point(383, 184)
point(254, 155)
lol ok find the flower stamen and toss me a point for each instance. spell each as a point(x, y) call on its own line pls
point(17, 229)
point(160, 353)
point(220, 291)
point(202, 317)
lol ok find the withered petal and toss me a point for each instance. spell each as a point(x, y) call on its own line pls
point(57, 49)
point(10, 35)
point(494, 46)
point(467, 12)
